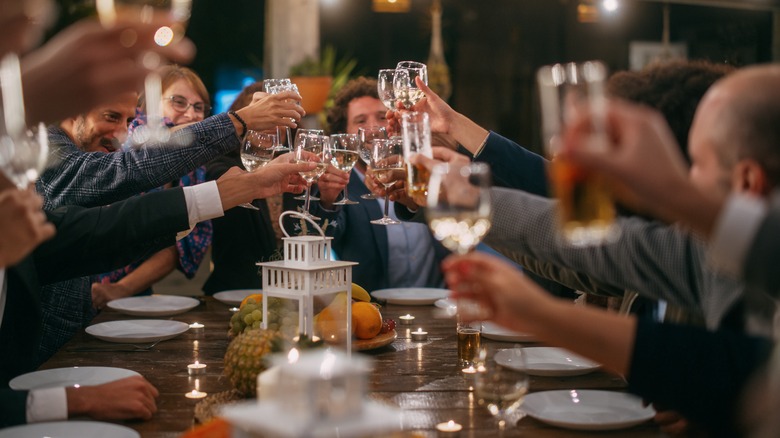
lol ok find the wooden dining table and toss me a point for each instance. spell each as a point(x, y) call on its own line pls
point(423, 378)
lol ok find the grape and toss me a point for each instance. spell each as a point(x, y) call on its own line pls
point(388, 325)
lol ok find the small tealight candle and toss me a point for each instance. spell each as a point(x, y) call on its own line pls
point(406, 319)
point(196, 326)
point(196, 368)
point(419, 335)
point(469, 370)
point(234, 309)
point(195, 394)
point(450, 427)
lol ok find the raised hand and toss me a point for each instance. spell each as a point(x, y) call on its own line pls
point(270, 110)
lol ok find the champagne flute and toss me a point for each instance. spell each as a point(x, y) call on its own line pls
point(404, 85)
point(257, 150)
point(459, 207)
point(367, 135)
point(345, 155)
point(387, 166)
point(177, 12)
point(501, 389)
point(301, 132)
point(312, 148)
point(384, 86)
point(416, 134)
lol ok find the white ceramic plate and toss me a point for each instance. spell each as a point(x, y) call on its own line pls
point(234, 297)
point(499, 333)
point(61, 377)
point(69, 429)
point(139, 330)
point(587, 409)
point(412, 296)
point(153, 305)
point(549, 361)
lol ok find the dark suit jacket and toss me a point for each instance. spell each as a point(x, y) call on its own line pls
point(357, 240)
point(88, 241)
point(241, 238)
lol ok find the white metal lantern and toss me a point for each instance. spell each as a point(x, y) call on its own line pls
point(307, 271)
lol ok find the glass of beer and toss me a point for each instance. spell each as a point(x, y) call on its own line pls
point(469, 342)
point(585, 206)
point(416, 134)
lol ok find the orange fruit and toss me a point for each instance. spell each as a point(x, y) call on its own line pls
point(258, 298)
point(366, 319)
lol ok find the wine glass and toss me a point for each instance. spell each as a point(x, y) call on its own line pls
point(459, 207)
point(312, 148)
point(23, 157)
point(416, 134)
point(384, 87)
point(257, 150)
point(298, 134)
point(344, 152)
point(501, 389)
point(177, 12)
point(268, 83)
point(367, 135)
point(387, 167)
point(406, 90)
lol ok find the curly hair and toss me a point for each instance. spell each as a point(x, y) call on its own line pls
point(672, 87)
point(337, 114)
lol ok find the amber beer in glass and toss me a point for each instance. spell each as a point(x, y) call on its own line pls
point(416, 133)
point(585, 205)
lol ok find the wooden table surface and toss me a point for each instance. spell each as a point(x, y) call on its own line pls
point(422, 378)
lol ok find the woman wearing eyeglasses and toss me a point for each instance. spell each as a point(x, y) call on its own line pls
point(184, 100)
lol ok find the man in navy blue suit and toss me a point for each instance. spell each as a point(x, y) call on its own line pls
point(404, 255)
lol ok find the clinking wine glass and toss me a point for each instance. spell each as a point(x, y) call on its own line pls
point(312, 148)
point(344, 153)
point(257, 150)
point(501, 389)
point(367, 135)
point(23, 157)
point(416, 134)
point(404, 85)
point(385, 88)
point(387, 167)
point(174, 12)
point(300, 132)
point(459, 207)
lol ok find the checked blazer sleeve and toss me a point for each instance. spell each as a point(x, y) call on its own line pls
point(91, 179)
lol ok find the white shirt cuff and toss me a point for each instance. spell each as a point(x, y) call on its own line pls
point(48, 404)
point(735, 230)
point(203, 202)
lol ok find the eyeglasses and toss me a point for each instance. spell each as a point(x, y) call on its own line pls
point(179, 103)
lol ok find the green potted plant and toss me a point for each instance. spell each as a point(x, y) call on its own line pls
point(318, 80)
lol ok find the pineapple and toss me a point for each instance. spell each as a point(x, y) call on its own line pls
point(245, 358)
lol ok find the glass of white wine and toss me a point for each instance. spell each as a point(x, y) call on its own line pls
point(257, 150)
point(501, 389)
point(367, 135)
point(387, 167)
point(174, 12)
point(344, 155)
point(459, 207)
point(298, 134)
point(404, 85)
point(385, 89)
point(312, 148)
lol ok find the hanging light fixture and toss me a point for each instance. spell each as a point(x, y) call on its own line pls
point(391, 5)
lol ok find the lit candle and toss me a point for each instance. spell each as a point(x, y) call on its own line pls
point(195, 394)
point(406, 319)
point(419, 335)
point(469, 370)
point(197, 326)
point(450, 427)
point(234, 309)
point(196, 368)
